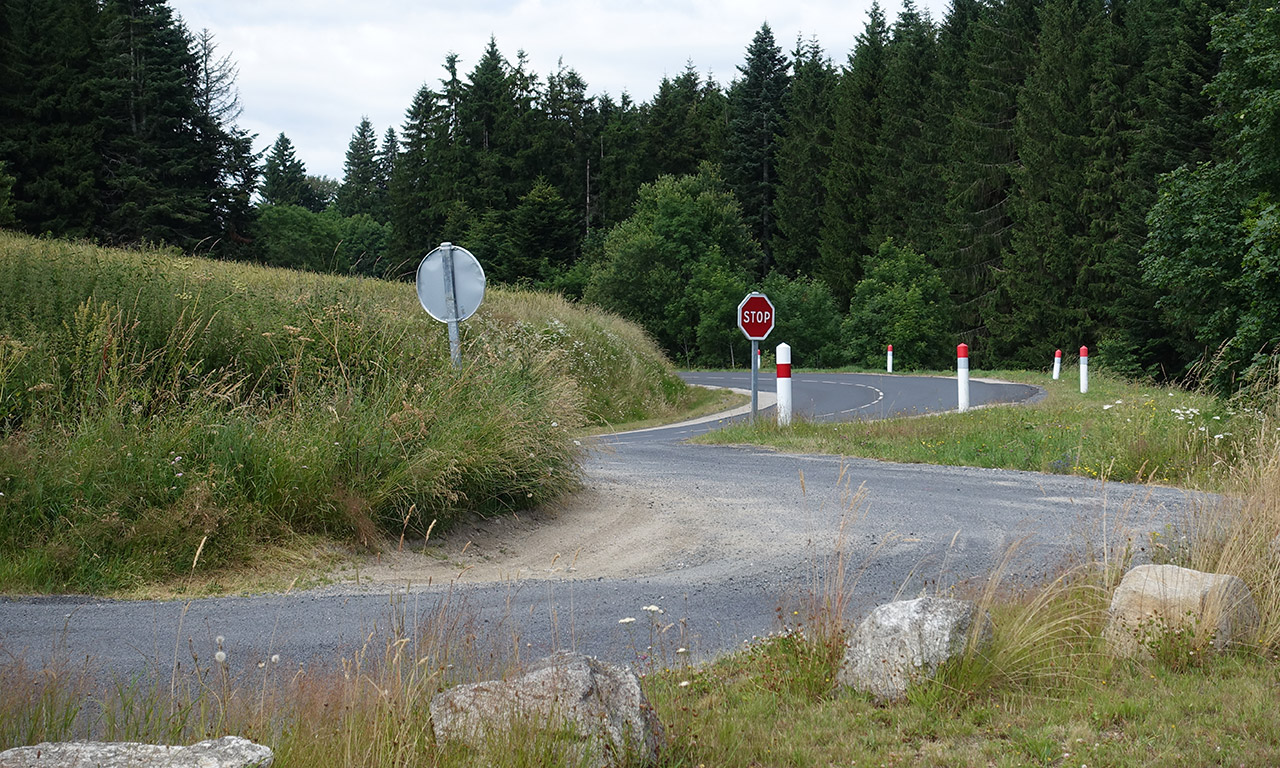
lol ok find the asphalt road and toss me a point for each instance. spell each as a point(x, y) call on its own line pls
point(755, 529)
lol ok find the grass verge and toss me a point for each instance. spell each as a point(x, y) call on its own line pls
point(1120, 430)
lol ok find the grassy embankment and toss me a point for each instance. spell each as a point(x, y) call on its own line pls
point(1119, 430)
point(164, 417)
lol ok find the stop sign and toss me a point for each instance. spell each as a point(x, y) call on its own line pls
point(755, 316)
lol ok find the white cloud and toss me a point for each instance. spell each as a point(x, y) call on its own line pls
point(312, 70)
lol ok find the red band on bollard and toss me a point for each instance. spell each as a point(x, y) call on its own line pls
point(962, 351)
point(784, 370)
point(890, 347)
point(1059, 354)
point(1084, 351)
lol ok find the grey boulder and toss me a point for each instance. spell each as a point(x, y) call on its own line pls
point(901, 643)
point(226, 752)
point(598, 707)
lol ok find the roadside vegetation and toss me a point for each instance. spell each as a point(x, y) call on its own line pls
point(1120, 430)
point(1046, 692)
point(165, 417)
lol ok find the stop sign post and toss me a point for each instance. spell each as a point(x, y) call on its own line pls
point(755, 319)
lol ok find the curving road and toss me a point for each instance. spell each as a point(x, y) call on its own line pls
point(723, 540)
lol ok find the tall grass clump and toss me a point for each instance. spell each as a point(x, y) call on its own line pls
point(162, 414)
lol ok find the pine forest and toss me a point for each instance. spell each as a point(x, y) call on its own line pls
point(1020, 175)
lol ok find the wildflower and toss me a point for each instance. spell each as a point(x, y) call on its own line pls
point(652, 609)
point(684, 683)
point(555, 424)
point(682, 650)
point(627, 620)
point(220, 657)
point(275, 658)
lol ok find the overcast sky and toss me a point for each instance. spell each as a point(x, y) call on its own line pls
point(312, 68)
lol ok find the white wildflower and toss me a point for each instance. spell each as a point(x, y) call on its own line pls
point(275, 658)
point(684, 683)
point(652, 609)
point(220, 657)
point(627, 620)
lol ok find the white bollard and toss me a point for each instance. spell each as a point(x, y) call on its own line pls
point(1057, 364)
point(962, 375)
point(784, 385)
point(1084, 370)
point(890, 369)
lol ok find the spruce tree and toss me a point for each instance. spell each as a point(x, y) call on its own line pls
point(982, 157)
point(411, 198)
point(50, 104)
point(756, 114)
point(685, 125)
point(615, 165)
point(804, 154)
point(228, 166)
point(1041, 271)
point(359, 191)
point(904, 200)
point(284, 177)
point(152, 186)
point(846, 217)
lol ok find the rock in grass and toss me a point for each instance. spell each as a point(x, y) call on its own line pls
point(1206, 609)
point(596, 709)
point(226, 752)
point(904, 642)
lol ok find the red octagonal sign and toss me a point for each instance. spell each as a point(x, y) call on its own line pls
point(755, 316)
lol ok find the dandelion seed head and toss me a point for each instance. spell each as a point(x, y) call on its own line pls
point(275, 658)
point(220, 657)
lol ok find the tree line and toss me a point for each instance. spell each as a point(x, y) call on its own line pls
point(1019, 175)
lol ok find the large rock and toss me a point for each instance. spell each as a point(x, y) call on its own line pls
point(610, 718)
point(227, 752)
point(1216, 608)
point(901, 643)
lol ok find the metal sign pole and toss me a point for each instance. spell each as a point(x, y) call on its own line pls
point(451, 307)
point(755, 379)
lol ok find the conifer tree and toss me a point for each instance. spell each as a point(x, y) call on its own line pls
point(615, 164)
point(359, 191)
point(903, 198)
point(846, 217)
point(983, 156)
point(685, 125)
point(151, 186)
point(756, 112)
point(49, 106)
point(804, 154)
point(284, 177)
point(1053, 131)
